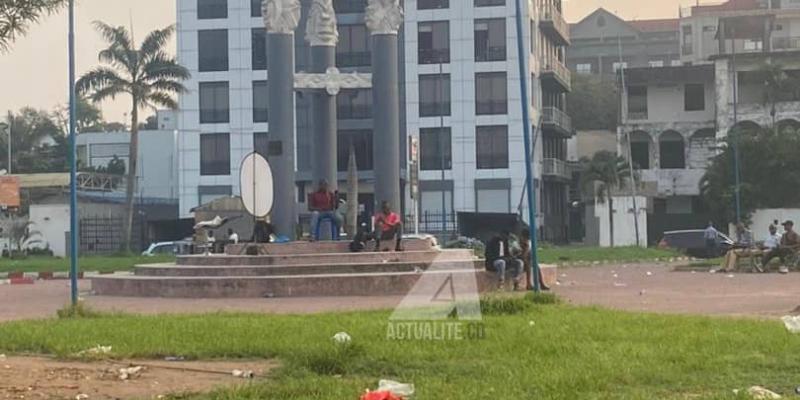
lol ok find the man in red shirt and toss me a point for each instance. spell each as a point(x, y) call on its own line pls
point(322, 203)
point(388, 226)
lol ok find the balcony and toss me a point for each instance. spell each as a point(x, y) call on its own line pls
point(554, 25)
point(553, 168)
point(556, 76)
point(785, 43)
point(556, 121)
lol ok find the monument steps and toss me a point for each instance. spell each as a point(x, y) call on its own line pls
point(299, 269)
point(327, 259)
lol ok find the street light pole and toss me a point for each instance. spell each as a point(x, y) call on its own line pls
point(10, 124)
point(440, 137)
point(73, 189)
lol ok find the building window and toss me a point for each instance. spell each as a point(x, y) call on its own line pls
point(671, 151)
point(212, 9)
point(491, 93)
point(259, 49)
point(265, 147)
point(354, 104)
point(207, 194)
point(493, 195)
point(694, 97)
point(260, 113)
point(656, 63)
point(489, 3)
point(212, 50)
point(214, 103)
point(753, 45)
point(490, 39)
point(353, 49)
point(255, 8)
point(215, 154)
point(687, 46)
point(361, 141)
point(617, 65)
point(349, 6)
point(640, 150)
point(432, 4)
point(433, 40)
point(584, 69)
point(435, 148)
point(492, 147)
point(676, 63)
point(434, 95)
point(637, 102)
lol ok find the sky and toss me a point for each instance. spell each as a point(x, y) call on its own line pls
point(34, 72)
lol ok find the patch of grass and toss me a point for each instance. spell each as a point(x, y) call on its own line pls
point(79, 310)
point(553, 352)
point(92, 263)
point(577, 254)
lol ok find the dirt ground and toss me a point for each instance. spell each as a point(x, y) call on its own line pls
point(45, 378)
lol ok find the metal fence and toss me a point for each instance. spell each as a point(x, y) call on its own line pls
point(100, 235)
point(435, 223)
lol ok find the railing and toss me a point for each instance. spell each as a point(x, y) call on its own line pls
point(786, 43)
point(637, 115)
point(492, 53)
point(349, 6)
point(557, 168)
point(553, 65)
point(554, 116)
point(431, 222)
point(100, 182)
point(434, 56)
point(552, 14)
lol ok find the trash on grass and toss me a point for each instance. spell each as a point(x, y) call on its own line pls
point(342, 338)
point(238, 373)
point(379, 395)
point(792, 323)
point(761, 393)
point(649, 273)
point(129, 373)
point(405, 390)
point(82, 396)
point(175, 358)
point(617, 284)
point(95, 351)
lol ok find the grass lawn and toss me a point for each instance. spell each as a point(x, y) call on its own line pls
point(94, 263)
point(541, 352)
point(566, 254)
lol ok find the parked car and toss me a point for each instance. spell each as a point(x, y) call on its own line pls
point(693, 242)
point(173, 248)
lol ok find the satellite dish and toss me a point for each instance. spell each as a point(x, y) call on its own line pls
point(255, 181)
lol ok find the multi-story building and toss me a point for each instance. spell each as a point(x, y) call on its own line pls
point(459, 94)
point(675, 116)
point(600, 37)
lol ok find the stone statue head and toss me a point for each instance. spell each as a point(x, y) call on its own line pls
point(384, 16)
point(321, 28)
point(281, 16)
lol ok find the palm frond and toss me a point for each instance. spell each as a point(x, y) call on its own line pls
point(115, 36)
point(161, 99)
point(163, 66)
point(101, 83)
point(154, 43)
point(16, 17)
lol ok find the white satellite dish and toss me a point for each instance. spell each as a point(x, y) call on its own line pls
point(256, 185)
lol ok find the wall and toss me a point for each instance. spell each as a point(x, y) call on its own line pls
point(597, 226)
point(51, 218)
point(762, 219)
point(587, 143)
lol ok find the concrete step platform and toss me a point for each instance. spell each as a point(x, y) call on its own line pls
point(321, 285)
point(327, 259)
point(300, 269)
point(324, 247)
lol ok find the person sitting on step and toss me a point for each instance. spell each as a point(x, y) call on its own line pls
point(388, 226)
point(500, 258)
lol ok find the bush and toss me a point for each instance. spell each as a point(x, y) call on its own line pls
point(40, 252)
point(79, 310)
point(332, 358)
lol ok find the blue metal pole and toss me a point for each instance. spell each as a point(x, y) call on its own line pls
point(529, 156)
point(735, 132)
point(73, 164)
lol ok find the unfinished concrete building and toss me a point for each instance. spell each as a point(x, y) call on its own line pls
point(676, 116)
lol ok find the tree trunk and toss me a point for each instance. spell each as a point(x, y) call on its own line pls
point(611, 220)
point(351, 215)
point(130, 192)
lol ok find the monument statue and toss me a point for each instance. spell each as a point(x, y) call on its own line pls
point(384, 17)
point(321, 28)
point(281, 16)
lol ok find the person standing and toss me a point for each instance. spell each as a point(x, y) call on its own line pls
point(711, 236)
point(322, 204)
point(526, 261)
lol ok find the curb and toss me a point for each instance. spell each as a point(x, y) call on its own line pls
point(17, 281)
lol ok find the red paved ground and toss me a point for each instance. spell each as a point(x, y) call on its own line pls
point(762, 295)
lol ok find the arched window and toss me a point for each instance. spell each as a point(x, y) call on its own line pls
point(789, 124)
point(601, 21)
point(672, 151)
point(640, 150)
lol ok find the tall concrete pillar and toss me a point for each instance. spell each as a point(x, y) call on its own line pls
point(281, 18)
point(383, 20)
point(322, 34)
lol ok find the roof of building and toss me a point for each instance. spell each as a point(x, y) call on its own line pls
point(656, 25)
point(730, 5)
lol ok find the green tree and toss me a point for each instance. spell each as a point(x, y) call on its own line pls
point(779, 86)
point(148, 75)
point(16, 17)
point(601, 175)
point(88, 117)
point(34, 133)
point(593, 103)
point(770, 174)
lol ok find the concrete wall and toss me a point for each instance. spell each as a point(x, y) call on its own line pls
point(762, 219)
point(52, 220)
point(597, 224)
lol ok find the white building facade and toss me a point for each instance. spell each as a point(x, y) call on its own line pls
point(460, 89)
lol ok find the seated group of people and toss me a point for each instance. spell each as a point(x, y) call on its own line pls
point(505, 254)
point(775, 245)
point(387, 225)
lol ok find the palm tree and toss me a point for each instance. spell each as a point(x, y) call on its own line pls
point(604, 173)
point(16, 16)
point(149, 75)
